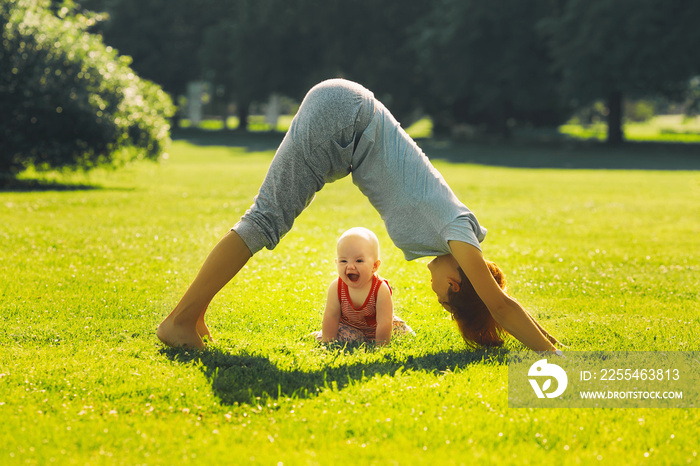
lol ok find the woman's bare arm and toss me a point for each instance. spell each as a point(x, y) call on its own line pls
point(504, 309)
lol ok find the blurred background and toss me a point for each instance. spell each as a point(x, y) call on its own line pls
point(459, 68)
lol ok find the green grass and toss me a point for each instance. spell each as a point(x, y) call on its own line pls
point(661, 128)
point(255, 123)
point(422, 128)
point(606, 259)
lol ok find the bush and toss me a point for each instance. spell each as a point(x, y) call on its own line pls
point(66, 99)
point(639, 110)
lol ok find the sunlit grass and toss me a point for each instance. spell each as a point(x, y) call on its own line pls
point(422, 128)
point(662, 128)
point(605, 260)
point(256, 123)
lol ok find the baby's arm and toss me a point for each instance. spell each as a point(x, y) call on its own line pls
point(385, 314)
point(331, 316)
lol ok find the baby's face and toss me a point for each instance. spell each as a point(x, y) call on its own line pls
point(357, 260)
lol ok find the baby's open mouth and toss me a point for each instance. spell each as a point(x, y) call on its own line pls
point(353, 277)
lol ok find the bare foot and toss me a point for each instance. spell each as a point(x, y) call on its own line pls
point(203, 330)
point(178, 336)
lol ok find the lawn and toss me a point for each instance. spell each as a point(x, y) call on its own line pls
point(660, 128)
point(606, 260)
point(666, 128)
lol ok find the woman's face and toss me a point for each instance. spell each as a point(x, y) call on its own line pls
point(444, 271)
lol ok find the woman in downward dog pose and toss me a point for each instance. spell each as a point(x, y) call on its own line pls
point(341, 129)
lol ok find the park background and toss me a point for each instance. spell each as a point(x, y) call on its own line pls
point(570, 127)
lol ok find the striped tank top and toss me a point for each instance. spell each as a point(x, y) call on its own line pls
point(363, 318)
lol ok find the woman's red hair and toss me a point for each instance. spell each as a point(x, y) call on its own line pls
point(475, 322)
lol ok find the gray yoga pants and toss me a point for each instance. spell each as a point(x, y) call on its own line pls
point(317, 149)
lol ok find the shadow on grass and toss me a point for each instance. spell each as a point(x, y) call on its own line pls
point(569, 154)
point(240, 378)
point(251, 141)
point(8, 185)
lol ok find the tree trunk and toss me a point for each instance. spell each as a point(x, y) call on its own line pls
point(615, 134)
point(243, 113)
point(224, 117)
point(175, 120)
point(505, 129)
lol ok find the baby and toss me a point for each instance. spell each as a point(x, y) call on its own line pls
point(359, 305)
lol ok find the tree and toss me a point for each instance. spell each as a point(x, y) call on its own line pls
point(67, 100)
point(374, 47)
point(260, 48)
point(489, 64)
point(277, 46)
point(240, 52)
point(163, 37)
point(606, 49)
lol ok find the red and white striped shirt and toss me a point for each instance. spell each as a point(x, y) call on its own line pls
point(363, 318)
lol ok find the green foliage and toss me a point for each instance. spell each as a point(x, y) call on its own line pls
point(66, 99)
point(693, 97)
point(637, 47)
point(609, 49)
point(163, 37)
point(247, 59)
point(376, 47)
point(639, 110)
point(493, 65)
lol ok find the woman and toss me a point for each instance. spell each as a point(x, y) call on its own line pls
point(341, 128)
